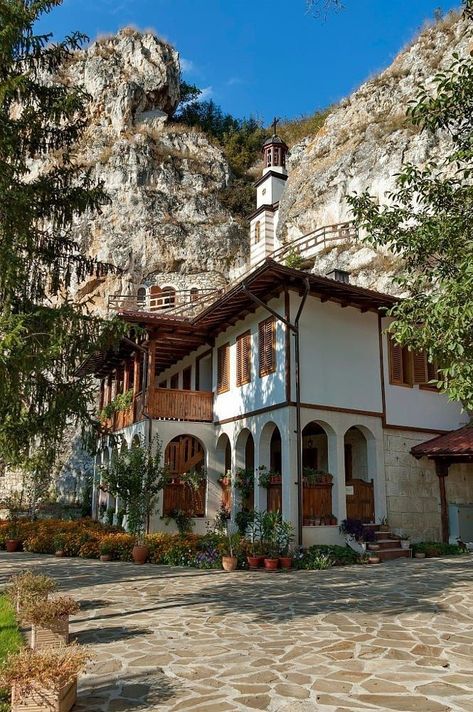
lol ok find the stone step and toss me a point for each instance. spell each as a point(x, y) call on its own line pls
point(385, 535)
point(395, 553)
point(388, 543)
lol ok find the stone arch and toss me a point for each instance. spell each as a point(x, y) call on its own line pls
point(245, 460)
point(360, 472)
point(270, 457)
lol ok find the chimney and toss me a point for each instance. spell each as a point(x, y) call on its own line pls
point(340, 275)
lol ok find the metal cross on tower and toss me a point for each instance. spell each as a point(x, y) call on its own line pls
point(275, 125)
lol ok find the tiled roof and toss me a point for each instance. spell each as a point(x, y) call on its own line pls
point(455, 443)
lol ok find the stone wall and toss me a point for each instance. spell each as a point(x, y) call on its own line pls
point(412, 490)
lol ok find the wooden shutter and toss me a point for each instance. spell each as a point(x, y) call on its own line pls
point(243, 344)
point(223, 368)
point(267, 353)
point(419, 367)
point(395, 362)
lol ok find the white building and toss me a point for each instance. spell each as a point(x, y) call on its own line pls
point(293, 372)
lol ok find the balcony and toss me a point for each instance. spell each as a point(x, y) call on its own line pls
point(166, 404)
point(174, 404)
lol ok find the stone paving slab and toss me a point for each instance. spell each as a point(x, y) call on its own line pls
point(392, 637)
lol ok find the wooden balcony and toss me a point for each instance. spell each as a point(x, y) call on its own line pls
point(174, 404)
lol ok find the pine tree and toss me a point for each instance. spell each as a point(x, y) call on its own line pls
point(44, 335)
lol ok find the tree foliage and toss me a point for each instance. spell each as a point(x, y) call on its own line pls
point(43, 334)
point(428, 221)
point(136, 476)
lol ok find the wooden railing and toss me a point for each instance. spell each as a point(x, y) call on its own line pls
point(173, 404)
point(188, 303)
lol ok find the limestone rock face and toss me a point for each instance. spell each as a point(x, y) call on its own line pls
point(163, 180)
point(362, 145)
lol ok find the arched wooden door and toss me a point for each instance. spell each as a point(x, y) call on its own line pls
point(183, 454)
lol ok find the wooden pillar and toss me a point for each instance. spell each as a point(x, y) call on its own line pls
point(108, 390)
point(151, 365)
point(136, 374)
point(441, 468)
point(102, 395)
point(126, 376)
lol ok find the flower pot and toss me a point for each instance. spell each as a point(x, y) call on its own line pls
point(419, 555)
point(140, 553)
point(12, 545)
point(405, 544)
point(286, 562)
point(373, 547)
point(275, 479)
point(106, 557)
point(374, 560)
point(59, 553)
point(254, 562)
point(55, 635)
point(229, 563)
point(317, 521)
point(271, 564)
point(45, 699)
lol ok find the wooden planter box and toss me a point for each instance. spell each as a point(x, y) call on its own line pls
point(45, 699)
point(55, 636)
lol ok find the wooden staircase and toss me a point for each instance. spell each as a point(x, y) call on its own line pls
point(389, 545)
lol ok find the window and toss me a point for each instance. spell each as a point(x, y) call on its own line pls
point(168, 299)
point(268, 157)
point(194, 294)
point(257, 232)
point(276, 156)
point(243, 346)
point(408, 368)
point(174, 382)
point(223, 368)
point(267, 351)
point(186, 378)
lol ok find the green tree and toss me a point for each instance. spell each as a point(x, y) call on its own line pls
point(136, 476)
point(43, 335)
point(428, 222)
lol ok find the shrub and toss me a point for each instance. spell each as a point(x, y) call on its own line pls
point(119, 546)
point(51, 669)
point(338, 555)
point(28, 586)
point(47, 611)
point(437, 548)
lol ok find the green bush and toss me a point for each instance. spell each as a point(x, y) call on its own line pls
point(314, 555)
point(437, 548)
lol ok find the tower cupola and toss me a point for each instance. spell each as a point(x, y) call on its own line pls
point(274, 154)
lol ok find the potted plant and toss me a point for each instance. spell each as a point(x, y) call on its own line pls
point(229, 560)
point(13, 540)
point(285, 535)
point(59, 542)
point(225, 480)
point(106, 549)
point(266, 477)
point(45, 680)
point(405, 541)
point(254, 532)
point(269, 537)
point(28, 586)
point(49, 620)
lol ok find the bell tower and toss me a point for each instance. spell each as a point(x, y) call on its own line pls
point(269, 188)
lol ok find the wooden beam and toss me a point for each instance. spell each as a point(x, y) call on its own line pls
point(441, 468)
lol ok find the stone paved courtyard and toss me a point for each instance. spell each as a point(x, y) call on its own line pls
point(392, 637)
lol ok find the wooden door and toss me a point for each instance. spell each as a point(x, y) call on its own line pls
point(182, 455)
point(360, 504)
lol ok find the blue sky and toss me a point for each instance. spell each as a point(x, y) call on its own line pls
point(263, 57)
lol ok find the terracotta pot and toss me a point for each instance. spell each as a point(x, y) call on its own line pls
point(286, 562)
point(271, 564)
point(374, 560)
point(420, 555)
point(140, 553)
point(229, 563)
point(59, 553)
point(275, 479)
point(106, 557)
point(254, 562)
point(12, 545)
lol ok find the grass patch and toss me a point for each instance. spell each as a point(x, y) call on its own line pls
point(10, 641)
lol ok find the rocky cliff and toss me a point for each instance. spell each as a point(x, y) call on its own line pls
point(362, 145)
point(163, 180)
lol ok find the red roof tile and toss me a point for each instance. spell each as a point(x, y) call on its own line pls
point(457, 442)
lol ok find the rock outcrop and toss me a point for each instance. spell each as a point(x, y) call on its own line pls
point(362, 145)
point(163, 180)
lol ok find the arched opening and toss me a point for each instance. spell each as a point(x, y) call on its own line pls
point(155, 298)
point(269, 471)
point(359, 484)
point(224, 465)
point(185, 455)
point(168, 297)
point(194, 294)
point(136, 442)
point(245, 469)
point(141, 298)
point(317, 507)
